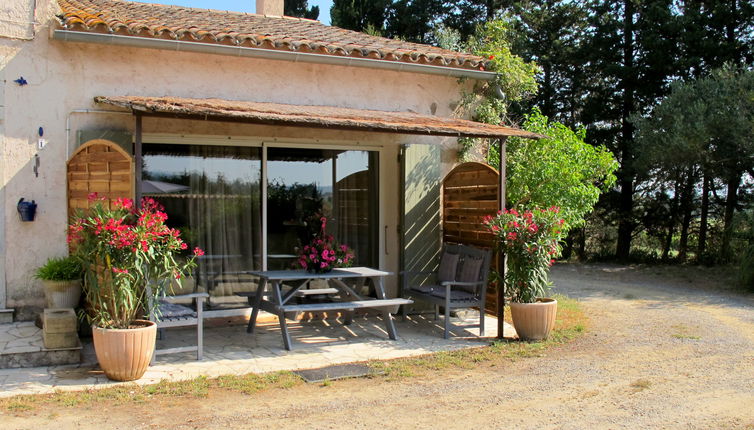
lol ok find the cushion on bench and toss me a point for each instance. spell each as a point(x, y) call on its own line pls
point(173, 310)
point(454, 294)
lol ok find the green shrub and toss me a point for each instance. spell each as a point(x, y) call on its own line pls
point(60, 269)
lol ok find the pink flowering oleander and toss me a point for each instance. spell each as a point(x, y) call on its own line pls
point(323, 253)
point(530, 240)
point(123, 249)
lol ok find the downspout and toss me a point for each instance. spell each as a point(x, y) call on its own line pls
point(241, 51)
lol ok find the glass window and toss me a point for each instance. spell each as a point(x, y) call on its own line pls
point(213, 195)
point(304, 185)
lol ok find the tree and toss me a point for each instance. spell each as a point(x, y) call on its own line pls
point(301, 9)
point(550, 33)
point(561, 170)
point(706, 124)
point(359, 15)
point(414, 20)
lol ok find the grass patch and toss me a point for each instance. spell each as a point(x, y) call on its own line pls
point(200, 387)
point(570, 323)
point(641, 385)
point(684, 332)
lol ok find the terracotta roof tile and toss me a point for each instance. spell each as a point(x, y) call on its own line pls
point(314, 116)
point(249, 30)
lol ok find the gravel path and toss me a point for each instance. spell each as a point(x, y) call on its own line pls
point(666, 348)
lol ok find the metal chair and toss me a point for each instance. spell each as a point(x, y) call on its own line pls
point(460, 282)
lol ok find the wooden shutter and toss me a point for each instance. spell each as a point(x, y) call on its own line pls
point(99, 166)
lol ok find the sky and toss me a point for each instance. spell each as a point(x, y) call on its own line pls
point(243, 5)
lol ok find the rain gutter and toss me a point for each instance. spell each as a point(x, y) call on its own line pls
point(268, 54)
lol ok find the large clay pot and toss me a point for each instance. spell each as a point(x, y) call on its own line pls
point(62, 294)
point(534, 321)
point(124, 354)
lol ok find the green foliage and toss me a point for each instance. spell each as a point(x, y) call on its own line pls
point(704, 125)
point(560, 170)
point(515, 78)
point(529, 241)
point(300, 9)
point(414, 20)
point(60, 269)
point(447, 38)
point(358, 14)
point(708, 120)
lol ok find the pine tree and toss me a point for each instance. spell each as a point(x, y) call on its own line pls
point(359, 15)
point(300, 9)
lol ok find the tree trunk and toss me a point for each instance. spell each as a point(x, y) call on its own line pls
point(568, 248)
point(731, 200)
point(581, 241)
point(686, 210)
point(626, 202)
point(547, 105)
point(672, 218)
point(701, 248)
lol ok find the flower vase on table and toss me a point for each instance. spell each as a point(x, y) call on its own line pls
point(324, 253)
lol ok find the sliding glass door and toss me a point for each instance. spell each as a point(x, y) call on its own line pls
point(214, 195)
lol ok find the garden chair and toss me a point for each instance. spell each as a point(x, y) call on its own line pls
point(460, 282)
point(177, 315)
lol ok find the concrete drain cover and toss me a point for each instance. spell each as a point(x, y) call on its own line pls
point(339, 371)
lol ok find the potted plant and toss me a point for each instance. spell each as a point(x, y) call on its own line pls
point(323, 253)
point(530, 240)
point(61, 278)
point(130, 258)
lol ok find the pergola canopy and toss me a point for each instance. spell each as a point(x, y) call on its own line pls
point(312, 116)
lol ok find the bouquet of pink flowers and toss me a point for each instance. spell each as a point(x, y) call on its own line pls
point(324, 254)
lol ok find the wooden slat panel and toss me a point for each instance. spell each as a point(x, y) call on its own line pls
point(470, 194)
point(99, 166)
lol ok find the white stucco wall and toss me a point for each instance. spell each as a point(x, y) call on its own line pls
point(65, 76)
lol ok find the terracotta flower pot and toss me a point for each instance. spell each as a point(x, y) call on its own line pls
point(124, 354)
point(534, 321)
point(62, 294)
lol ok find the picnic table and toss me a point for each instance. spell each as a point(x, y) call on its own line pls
point(271, 297)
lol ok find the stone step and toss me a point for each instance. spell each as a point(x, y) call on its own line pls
point(6, 316)
point(21, 345)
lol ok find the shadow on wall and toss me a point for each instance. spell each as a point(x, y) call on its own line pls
point(422, 208)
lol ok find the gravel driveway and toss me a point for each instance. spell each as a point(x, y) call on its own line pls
point(667, 348)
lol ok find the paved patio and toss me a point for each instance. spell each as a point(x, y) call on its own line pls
point(229, 350)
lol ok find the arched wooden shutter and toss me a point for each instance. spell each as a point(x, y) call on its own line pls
point(469, 193)
point(99, 166)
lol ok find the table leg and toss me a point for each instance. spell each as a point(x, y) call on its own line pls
point(380, 291)
point(347, 293)
point(255, 306)
point(281, 314)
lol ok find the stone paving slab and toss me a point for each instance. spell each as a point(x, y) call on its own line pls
point(21, 345)
point(229, 350)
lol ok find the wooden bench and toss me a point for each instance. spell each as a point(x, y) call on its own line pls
point(189, 318)
point(344, 306)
